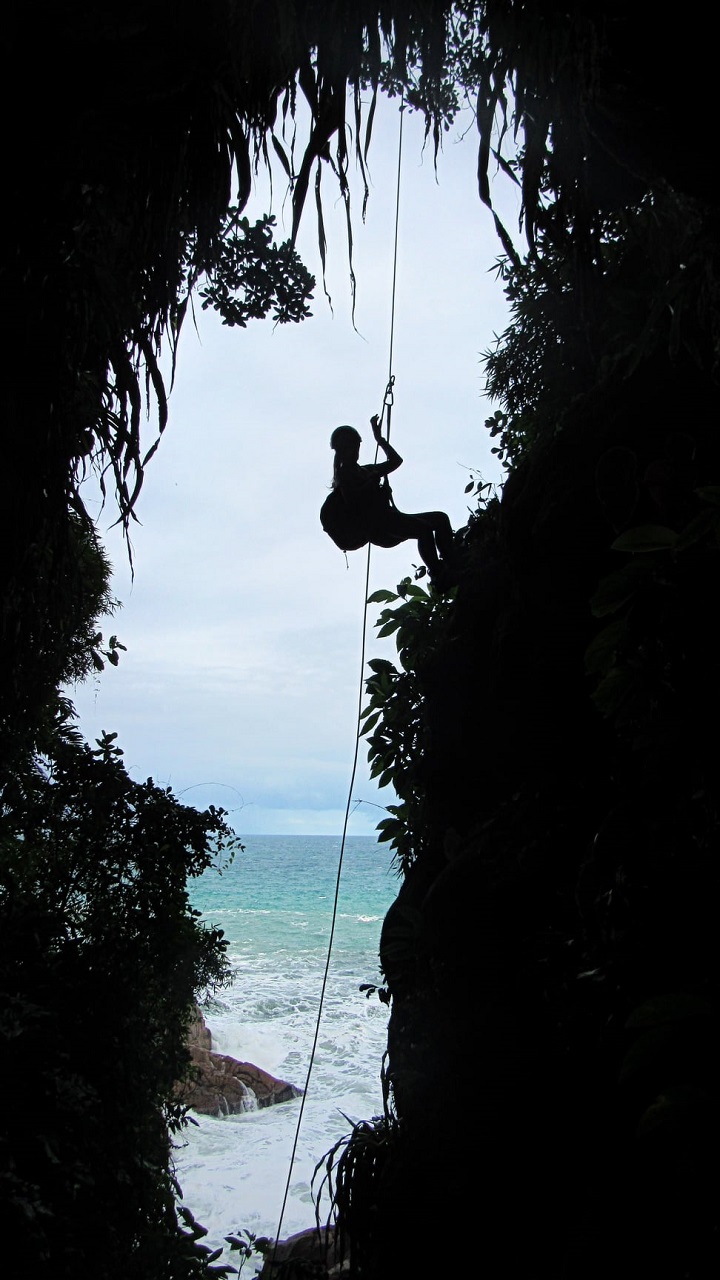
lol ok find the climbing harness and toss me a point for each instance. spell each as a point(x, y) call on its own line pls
point(387, 405)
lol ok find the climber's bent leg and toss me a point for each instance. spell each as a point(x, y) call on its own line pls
point(442, 531)
point(398, 527)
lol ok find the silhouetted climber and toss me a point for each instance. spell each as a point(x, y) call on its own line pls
point(360, 508)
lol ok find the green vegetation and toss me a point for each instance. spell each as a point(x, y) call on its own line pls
point(393, 714)
point(101, 958)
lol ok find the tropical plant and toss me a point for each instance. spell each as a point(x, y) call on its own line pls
point(102, 958)
point(351, 1172)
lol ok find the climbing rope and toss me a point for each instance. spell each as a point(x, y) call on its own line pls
point(335, 906)
point(387, 405)
point(388, 393)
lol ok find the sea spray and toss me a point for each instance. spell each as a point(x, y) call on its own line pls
point(275, 905)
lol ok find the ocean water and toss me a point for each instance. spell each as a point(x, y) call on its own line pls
point(275, 907)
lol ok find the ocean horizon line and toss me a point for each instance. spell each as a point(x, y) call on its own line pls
point(306, 835)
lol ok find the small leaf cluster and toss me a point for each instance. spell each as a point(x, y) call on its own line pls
point(371, 988)
point(199, 1259)
point(416, 621)
point(252, 1246)
point(392, 721)
point(102, 655)
point(482, 490)
point(252, 276)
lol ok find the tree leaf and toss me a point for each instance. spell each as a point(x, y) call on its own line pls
point(646, 537)
point(617, 588)
point(378, 665)
point(709, 493)
point(668, 1008)
point(703, 524)
point(282, 156)
point(370, 723)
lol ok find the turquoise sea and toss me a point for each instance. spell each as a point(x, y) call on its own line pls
point(275, 906)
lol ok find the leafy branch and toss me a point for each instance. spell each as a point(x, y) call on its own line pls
point(252, 275)
point(393, 717)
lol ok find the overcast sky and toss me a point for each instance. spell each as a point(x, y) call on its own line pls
point(243, 624)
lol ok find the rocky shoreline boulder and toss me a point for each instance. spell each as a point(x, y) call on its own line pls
point(220, 1085)
point(314, 1252)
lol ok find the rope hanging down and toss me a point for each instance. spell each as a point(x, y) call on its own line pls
point(387, 404)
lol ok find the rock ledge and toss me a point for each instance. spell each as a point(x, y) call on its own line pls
point(222, 1086)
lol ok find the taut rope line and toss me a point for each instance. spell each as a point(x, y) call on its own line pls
point(389, 392)
point(387, 404)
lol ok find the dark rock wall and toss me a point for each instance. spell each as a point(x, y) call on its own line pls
point(545, 1127)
